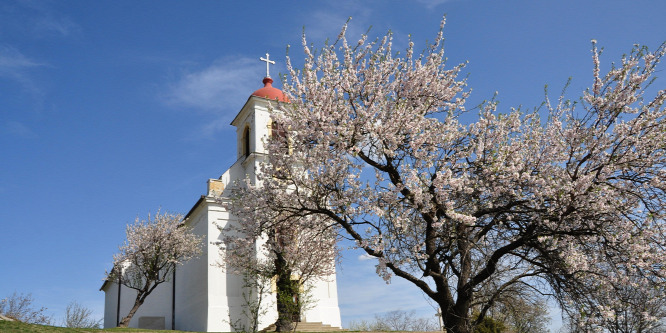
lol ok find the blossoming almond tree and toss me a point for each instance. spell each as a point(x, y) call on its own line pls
point(150, 254)
point(465, 208)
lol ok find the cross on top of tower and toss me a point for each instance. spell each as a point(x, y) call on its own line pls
point(268, 62)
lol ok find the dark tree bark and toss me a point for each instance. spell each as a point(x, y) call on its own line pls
point(287, 306)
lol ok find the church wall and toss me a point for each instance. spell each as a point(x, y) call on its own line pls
point(263, 124)
point(221, 299)
point(326, 308)
point(270, 301)
point(226, 290)
point(157, 304)
point(225, 294)
point(191, 282)
point(110, 304)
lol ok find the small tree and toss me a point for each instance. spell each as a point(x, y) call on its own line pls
point(526, 316)
point(78, 316)
point(519, 307)
point(397, 320)
point(150, 254)
point(20, 307)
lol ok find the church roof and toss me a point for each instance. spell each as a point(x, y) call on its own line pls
point(268, 92)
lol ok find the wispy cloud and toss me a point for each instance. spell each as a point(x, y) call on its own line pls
point(15, 66)
point(50, 25)
point(430, 4)
point(224, 85)
point(361, 17)
point(327, 23)
point(211, 128)
point(18, 129)
point(37, 19)
point(219, 89)
point(12, 60)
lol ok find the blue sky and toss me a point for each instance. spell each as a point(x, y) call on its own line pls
point(112, 109)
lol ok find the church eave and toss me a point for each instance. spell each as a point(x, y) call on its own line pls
point(238, 115)
point(242, 113)
point(201, 199)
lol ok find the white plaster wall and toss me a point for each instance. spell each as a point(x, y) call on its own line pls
point(270, 302)
point(263, 125)
point(271, 315)
point(218, 318)
point(110, 304)
point(157, 304)
point(325, 309)
point(191, 282)
point(225, 293)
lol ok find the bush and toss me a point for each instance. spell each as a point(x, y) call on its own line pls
point(76, 315)
point(20, 307)
point(396, 321)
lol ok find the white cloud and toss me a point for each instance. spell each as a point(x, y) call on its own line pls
point(365, 256)
point(224, 85)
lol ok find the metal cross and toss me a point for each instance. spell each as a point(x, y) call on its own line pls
point(268, 62)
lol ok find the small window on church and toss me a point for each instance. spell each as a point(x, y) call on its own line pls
point(246, 142)
point(279, 133)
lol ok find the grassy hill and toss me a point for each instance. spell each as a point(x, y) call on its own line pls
point(17, 327)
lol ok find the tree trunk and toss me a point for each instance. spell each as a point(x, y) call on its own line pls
point(137, 303)
point(456, 319)
point(458, 325)
point(287, 307)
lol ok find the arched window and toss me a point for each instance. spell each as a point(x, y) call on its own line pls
point(246, 142)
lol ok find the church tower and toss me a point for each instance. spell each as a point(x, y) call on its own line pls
point(253, 123)
point(253, 127)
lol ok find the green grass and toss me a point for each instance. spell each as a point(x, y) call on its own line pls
point(17, 327)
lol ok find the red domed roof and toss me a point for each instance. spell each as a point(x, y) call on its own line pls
point(268, 92)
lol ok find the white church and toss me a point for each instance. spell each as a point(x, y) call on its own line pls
point(201, 296)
